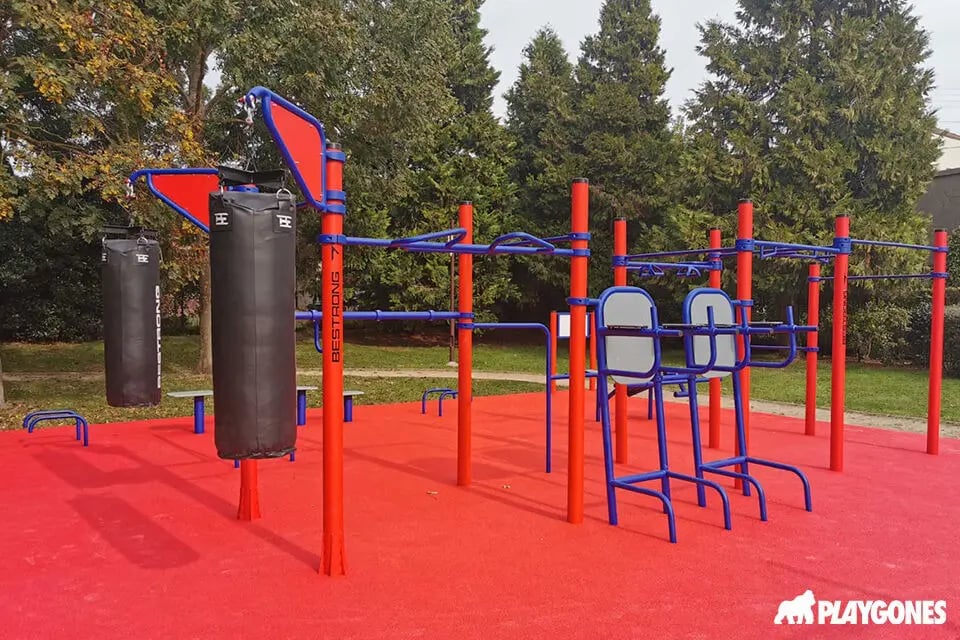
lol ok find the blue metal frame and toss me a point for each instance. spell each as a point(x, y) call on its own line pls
point(743, 459)
point(933, 275)
point(897, 245)
point(535, 326)
point(656, 269)
point(386, 316)
point(496, 247)
point(32, 419)
point(660, 375)
point(455, 235)
point(267, 98)
point(149, 173)
point(443, 391)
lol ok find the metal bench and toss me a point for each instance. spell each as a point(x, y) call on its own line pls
point(198, 407)
point(33, 418)
point(348, 396)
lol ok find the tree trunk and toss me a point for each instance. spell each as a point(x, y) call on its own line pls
point(3, 398)
point(206, 344)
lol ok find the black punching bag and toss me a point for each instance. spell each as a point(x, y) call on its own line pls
point(253, 280)
point(131, 321)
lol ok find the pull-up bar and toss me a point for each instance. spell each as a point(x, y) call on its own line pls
point(893, 276)
point(499, 246)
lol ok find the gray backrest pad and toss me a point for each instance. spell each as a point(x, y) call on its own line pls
point(723, 314)
point(632, 309)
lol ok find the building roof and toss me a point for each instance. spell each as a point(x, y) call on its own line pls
point(943, 133)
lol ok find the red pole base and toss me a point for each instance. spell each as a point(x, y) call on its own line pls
point(333, 559)
point(249, 508)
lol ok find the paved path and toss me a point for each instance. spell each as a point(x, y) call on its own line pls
point(761, 406)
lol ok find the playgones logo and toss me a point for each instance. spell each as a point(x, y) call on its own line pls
point(806, 609)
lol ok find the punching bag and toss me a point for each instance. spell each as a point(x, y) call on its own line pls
point(253, 281)
point(131, 320)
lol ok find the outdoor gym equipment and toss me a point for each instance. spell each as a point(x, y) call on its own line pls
point(715, 356)
point(629, 354)
point(317, 167)
point(131, 317)
point(32, 419)
point(253, 283)
point(836, 254)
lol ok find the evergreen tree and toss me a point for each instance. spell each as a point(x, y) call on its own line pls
point(540, 120)
point(628, 150)
point(817, 107)
point(469, 159)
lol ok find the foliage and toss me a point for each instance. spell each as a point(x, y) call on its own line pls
point(541, 121)
point(49, 278)
point(919, 338)
point(815, 108)
point(468, 159)
point(953, 267)
point(83, 91)
point(626, 147)
point(878, 332)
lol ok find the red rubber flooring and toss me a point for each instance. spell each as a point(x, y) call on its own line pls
point(135, 537)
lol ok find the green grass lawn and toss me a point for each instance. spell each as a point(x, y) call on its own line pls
point(180, 355)
point(870, 389)
point(86, 395)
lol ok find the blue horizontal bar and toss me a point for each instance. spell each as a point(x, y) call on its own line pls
point(723, 251)
point(768, 347)
point(510, 325)
point(897, 245)
point(473, 249)
point(639, 477)
point(896, 276)
point(172, 172)
point(630, 264)
point(380, 316)
point(793, 246)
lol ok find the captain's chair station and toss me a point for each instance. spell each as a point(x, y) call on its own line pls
point(630, 354)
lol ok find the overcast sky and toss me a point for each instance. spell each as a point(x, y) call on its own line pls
point(512, 23)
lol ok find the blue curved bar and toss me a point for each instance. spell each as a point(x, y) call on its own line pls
point(521, 239)
point(455, 235)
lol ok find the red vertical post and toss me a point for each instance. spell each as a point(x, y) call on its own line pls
point(838, 357)
point(579, 224)
point(592, 320)
point(620, 394)
point(553, 350)
point(745, 293)
point(249, 508)
point(936, 340)
point(714, 282)
point(333, 560)
point(465, 352)
point(813, 341)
